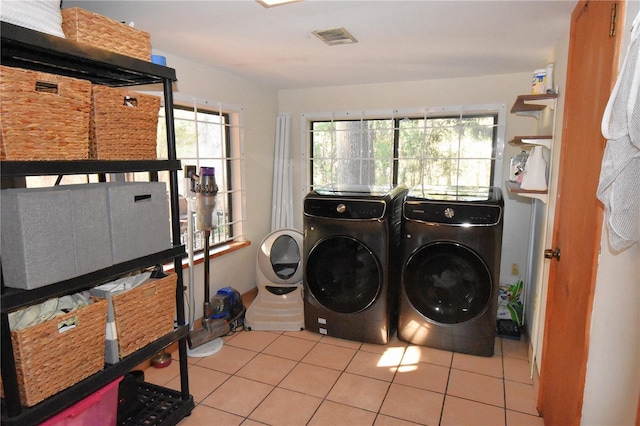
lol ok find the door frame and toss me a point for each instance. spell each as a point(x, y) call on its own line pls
point(590, 287)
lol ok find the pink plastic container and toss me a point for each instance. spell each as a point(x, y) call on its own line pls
point(98, 409)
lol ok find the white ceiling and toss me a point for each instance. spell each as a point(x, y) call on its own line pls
point(398, 40)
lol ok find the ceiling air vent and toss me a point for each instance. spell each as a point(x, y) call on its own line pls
point(335, 36)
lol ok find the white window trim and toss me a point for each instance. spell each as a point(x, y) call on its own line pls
point(180, 99)
point(427, 112)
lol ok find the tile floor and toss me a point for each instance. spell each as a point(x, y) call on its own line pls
point(303, 378)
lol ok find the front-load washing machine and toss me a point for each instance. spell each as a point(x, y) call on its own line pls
point(351, 243)
point(450, 249)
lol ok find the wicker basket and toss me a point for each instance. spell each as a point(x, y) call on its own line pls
point(49, 361)
point(124, 124)
point(99, 31)
point(43, 116)
point(144, 313)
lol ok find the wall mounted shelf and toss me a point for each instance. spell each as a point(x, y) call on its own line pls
point(545, 141)
point(533, 105)
point(514, 188)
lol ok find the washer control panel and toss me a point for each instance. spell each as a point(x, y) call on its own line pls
point(447, 213)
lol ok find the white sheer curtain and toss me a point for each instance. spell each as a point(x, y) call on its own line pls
point(282, 207)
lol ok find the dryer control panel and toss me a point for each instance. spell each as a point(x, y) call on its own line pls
point(455, 214)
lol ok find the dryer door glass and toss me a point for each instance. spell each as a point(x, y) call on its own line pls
point(447, 283)
point(285, 256)
point(343, 274)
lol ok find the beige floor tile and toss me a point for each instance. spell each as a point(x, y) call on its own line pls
point(461, 412)
point(229, 360)
point(293, 348)
point(202, 381)
point(517, 370)
point(392, 355)
point(341, 342)
point(497, 347)
point(412, 404)
point(173, 350)
point(162, 376)
point(515, 418)
point(424, 376)
point(285, 407)
point(405, 383)
point(491, 366)
point(203, 415)
point(249, 422)
point(329, 356)
point(515, 348)
point(238, 396)
point(382, 420)
point(229, 337)
point(304, 334)
point(332, 413)
point(310, 379)
point(266, 369)
point(358, 391)
point(374, 365)
point(414, 354)
point(476, 387)
point(379, 349)
point(520, 397)
point(252, 340)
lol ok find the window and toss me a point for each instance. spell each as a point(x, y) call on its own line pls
point(208, 136)
point(441, 147)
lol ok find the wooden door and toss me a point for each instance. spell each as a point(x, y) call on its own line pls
point(591, 73)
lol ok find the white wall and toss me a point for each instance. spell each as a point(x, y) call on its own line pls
point(259, 103)
point(498, 89)
point(612, 382)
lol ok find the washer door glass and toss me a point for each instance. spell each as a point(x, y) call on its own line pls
point(285, 256)
point(343, 274)
point(447, 283)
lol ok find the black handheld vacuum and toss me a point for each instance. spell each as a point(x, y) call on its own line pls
point(225, 311)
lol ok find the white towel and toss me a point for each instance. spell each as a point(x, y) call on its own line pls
point(619, 186)
point(45, 311)
point(39, 15)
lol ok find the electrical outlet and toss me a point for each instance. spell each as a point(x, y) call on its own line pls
point(515, 270)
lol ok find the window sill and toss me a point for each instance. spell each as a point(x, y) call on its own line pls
point(214, 252)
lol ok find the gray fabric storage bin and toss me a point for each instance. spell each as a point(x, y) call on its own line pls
point(37, 246)
point(139, 219)
point(52, 234)
point(91, 232)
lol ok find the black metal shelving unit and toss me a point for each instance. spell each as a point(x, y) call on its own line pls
point(25, 48)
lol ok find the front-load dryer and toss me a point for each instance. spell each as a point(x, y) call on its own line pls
point(351, 242)
point(450, 249)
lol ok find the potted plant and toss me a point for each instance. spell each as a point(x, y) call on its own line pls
point(510, 311)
